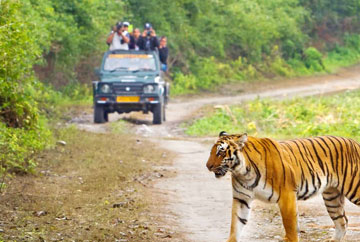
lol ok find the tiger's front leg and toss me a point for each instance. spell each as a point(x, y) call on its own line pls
point(239, 216)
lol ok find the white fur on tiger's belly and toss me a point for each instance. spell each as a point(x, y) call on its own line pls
point(264, 194)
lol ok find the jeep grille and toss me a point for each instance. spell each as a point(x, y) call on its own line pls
point(127, 88)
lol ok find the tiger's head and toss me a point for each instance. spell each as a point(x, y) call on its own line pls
point(226, 155)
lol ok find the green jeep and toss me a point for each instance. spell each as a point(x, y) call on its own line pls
point(130, 81)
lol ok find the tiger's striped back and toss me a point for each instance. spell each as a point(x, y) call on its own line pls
point(324, 162)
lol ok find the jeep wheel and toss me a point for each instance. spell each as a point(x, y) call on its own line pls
point(106, 116)
point(99, 114)
point(158, 113)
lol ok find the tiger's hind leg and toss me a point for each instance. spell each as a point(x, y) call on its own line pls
point(334, 202)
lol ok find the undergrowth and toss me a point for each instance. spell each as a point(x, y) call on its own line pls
point(299, 117)
point(211, 73)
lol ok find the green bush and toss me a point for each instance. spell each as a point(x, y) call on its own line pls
point(280, 68)
point(345, 55)
point(18, 146)
point(299, 117)
point(313, 60)
point(23, 130)
point(183, 84)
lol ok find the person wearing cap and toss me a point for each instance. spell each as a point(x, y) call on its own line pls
point(148, 39)
point(117, 39)
point(126, 29)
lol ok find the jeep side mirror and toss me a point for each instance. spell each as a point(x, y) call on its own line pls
point(97, 72)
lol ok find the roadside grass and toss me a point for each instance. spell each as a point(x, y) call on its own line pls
point(71, 101)
point(91, 189)
point(119, 127)
point(337, 114)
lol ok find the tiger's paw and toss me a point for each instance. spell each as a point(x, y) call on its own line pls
point(286, 239)
point(232, 238)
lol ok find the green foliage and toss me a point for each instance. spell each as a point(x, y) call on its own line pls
point(203, 36)
point(19, 145)
point(183, 84)
point(69, 32)
point(210, 43)
point(211, 73)
point(17, 52)
point(299, 117)
point(279, 67)
point(334, 10)
point(205, 39)
point(224, 30)
point(23, 131)
point(313, 60)
point(56, 34)
point(345, 55)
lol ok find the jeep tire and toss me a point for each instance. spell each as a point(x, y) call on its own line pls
point(158, 113)
point(106, 116)
point(99, 114)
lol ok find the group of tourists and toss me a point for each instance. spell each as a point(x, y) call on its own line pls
point(121, 39)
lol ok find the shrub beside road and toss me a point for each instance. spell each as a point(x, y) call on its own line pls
point(298, 117)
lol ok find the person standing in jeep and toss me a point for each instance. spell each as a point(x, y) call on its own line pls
point(148, 40)
point(134, 40)
point(163, 53)
point(117, 39)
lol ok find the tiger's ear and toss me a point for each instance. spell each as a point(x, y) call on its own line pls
point(223, 133)
point(242, 139)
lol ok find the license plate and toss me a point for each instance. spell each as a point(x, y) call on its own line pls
point(127, 99)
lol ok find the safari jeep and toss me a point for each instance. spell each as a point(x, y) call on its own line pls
point(130, 81)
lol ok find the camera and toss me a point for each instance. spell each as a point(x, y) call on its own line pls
point(148, 33)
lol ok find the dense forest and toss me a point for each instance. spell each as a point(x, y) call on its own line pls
point(49, 48)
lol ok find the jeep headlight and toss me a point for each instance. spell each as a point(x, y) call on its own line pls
point(105, 88)
point(149, 89)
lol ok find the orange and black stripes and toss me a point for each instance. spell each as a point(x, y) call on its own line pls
point(335, 158)
point(317, 163)
point(293, 169)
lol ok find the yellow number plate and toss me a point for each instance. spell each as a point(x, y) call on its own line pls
point(127, 99)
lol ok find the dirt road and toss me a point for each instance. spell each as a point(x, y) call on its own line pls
point(202, 203)
point(199, 204)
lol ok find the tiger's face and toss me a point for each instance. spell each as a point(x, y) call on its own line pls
point(225, 155)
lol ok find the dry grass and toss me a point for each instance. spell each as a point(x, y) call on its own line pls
point(92, 189)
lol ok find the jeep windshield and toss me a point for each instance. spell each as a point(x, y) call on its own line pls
point(130, 62)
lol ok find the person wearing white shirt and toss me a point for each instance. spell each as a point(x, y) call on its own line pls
point(118, 40)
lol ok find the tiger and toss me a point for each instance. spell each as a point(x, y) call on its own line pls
point(283, 172)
